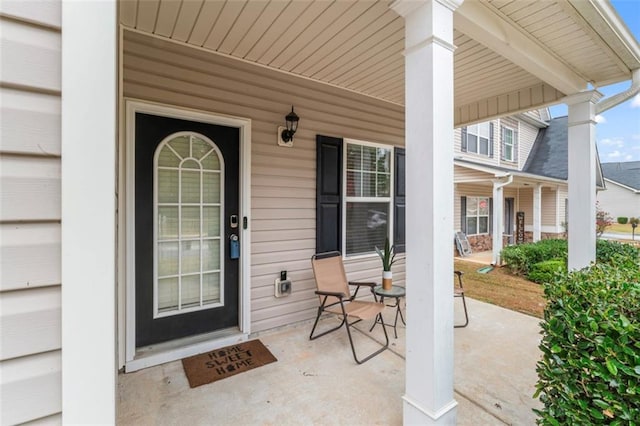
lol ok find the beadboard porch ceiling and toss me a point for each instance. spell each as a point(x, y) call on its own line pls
point(511, 55)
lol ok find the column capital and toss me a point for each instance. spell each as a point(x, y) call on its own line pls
point(592, 96)
point(406, 7)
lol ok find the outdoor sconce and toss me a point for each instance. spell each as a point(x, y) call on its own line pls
point(285, 135)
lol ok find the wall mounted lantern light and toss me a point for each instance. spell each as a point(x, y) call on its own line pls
point(285, 135)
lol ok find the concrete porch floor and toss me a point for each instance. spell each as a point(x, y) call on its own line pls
point(318, 382)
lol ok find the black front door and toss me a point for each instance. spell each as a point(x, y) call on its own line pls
point(186, 214)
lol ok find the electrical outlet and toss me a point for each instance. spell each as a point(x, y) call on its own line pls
point(282, 287)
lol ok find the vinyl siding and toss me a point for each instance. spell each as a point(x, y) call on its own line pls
point(283, 186)
point(563, 196)
point(30, 283)
point(619, 201)
point(525, 204)
point(526, 138)
point(549, 211)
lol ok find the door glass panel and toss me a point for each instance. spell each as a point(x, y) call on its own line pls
point(167, 186)
point(167, 294)
point(167, 223)
point(190, 177)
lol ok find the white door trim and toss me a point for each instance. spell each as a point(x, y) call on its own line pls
point(132, 361)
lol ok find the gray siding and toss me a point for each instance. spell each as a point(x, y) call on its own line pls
point(283, 179)
point(30, 307)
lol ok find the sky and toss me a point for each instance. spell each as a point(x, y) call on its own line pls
point(618, 129)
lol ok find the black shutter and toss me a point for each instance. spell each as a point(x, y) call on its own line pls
point(328, 194)
point(463, 214)
point(491, 140)
point(463, 139)
point(398, 202)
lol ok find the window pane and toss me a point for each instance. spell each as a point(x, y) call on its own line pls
point(190, 291)
point(368, 184)
point(190, 222)
point(211, 255)
point(484, 146)
point(472, 225)
point(181, 146)
point(211, 161)
point(167, 294)
point(190, 256)
point(508, 152)
point(211, 225)
point(167, 223)
point(211, 288)
point(167, 158)
point(199, 148)
point(384, 160)
point(167, 259)
point(369, 158)
point(384, 185)
point(472, 206)
point(483, 130)
point(190, 187)
point(354, 157)
point(483, 206)
point(190, 164)
point(472, 143)
point(211, 188)
point(167, 186)
point(483, 225)
point(367, 227)
point(354, 184)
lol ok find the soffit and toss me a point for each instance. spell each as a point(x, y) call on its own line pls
point(358, 45)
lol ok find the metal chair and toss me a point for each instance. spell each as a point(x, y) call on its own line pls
point(335, 298)
point(459, 292)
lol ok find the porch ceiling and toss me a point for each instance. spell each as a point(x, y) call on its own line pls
point(511, 55)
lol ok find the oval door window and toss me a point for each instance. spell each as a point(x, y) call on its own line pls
point(188, 194)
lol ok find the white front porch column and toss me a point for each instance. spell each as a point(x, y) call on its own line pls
point(537, 212)
point(428, 395)
point(498, 216)
point(582, 178)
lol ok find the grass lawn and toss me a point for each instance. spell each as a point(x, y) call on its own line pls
point(620, 229)
point(501, 288)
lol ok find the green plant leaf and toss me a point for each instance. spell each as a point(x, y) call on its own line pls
point(611, 367)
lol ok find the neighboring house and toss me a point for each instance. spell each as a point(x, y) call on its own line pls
point(524, 160)
point(622, 196)
point(139, 138)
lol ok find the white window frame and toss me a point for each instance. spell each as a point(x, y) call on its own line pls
point(475, 130)
point(478, 215)
point(346, 199)
point(156, 168)
point(513, 143)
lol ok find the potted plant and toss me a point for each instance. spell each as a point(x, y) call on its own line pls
point(388, 258)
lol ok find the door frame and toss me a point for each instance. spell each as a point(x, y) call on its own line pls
point(170, 351)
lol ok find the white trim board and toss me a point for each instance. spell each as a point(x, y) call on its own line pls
point(132, 359)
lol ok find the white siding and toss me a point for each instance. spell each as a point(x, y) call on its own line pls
point(283, 180)
point(30, 311)
point(526, 137)
point(619, 201)
point(563, 197)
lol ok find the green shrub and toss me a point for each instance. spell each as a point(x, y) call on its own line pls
point(607, 251)
point(623, 220)
point(522, 257)
point(547, 271)
point(590, 369)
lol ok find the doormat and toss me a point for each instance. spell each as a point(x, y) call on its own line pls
point(226, 362)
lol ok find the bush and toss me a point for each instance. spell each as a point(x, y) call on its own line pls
point(607, 251)
point(521, 258)
point(547, 271)
point(623, 220)
point(590, 368)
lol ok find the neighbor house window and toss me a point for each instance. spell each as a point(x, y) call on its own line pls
point(477, 139)
point(368, 197)
point(508, 144)
point(477, 215)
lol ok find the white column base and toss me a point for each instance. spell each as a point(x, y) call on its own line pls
point(414, 414)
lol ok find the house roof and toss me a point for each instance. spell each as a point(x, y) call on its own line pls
point(549, 156)
point(627, 173)
point(510, 56)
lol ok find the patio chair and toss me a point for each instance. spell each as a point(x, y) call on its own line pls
point(459, 292)
point(335, 298)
